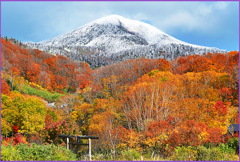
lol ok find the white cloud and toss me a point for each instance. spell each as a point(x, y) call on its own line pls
point(55, 18)
point(189, 16)
point(221, 5)
point(180, 20)
point(165, 15)
point(140, 16)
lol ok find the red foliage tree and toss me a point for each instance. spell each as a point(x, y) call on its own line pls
point(220, 108)
point(157, 128)
point(52, 129)
point(215, 136)
point(188, 134)
point(4, 87)
point(33, 72)
point(164, 65)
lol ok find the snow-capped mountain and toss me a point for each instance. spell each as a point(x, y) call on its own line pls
point(115, 36)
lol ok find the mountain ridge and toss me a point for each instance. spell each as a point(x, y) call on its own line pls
point(119, 36)
point(133, 27)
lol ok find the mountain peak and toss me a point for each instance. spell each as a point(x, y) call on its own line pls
point(111, 19)
point(115, 34)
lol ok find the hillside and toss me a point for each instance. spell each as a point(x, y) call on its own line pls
point(141, 109)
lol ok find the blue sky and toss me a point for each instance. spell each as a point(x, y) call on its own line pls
point(213, 24)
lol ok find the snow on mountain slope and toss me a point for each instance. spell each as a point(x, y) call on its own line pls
point(114, 38)
point(115, 34)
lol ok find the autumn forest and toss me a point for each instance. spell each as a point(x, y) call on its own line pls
point(141, 109)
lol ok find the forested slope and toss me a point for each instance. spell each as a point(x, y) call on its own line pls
point(141, 105)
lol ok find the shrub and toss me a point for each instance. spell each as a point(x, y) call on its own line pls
point(19, 139)
point(234, 143)
point(9, 153)
point(131, 155)
point(14, 140)
point(225, 148)
point(184, 153)
point(201, 153)
point(36, 152)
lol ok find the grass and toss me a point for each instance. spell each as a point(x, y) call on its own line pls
point(53, 153)
point(35, 152)
point(46, 95)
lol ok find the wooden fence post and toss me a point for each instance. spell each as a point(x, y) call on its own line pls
point(67, 143)
point(89, 143)
point(78, 141)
